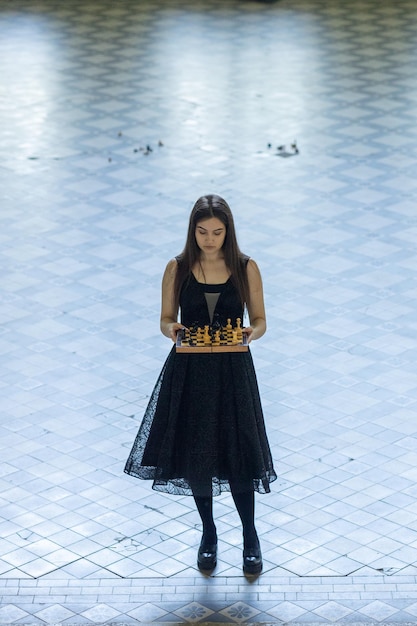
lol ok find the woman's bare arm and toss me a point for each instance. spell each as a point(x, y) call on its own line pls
point(256, 306)
point(169, 313)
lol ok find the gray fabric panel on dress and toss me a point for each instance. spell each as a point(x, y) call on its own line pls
point(211, 299)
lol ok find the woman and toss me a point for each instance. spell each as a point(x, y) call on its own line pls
point(203, 431)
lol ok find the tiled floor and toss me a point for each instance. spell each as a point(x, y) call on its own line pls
point(114, 118)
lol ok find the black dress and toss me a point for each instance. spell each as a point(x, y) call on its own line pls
point(203, 431)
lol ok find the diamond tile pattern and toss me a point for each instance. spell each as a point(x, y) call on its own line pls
point(115, 117)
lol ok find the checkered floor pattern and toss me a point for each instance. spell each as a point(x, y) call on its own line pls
point(114, 118)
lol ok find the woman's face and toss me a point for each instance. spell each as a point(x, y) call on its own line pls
point(210, 235)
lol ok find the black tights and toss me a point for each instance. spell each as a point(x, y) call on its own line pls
point(205, 509)
point(245, 505)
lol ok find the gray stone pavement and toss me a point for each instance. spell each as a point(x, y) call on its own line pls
point(271, 599)
point(114, 118)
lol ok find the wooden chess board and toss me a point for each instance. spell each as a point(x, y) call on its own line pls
point(207, 340)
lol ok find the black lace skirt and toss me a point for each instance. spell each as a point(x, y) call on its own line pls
point(203, 431)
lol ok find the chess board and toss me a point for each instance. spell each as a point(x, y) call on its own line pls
point(208, 339)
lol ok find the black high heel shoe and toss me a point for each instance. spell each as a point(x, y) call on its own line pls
point(252, 561)
point(207, 556)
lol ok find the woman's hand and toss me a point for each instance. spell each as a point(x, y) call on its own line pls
point(248, 331)
point(173, 328)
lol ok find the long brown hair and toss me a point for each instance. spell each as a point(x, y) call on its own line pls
point(205, 208)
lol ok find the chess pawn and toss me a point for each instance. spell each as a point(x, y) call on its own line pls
point(200, 337)
point(239, 330)
point(216, 338)
point(229, 330)
point(234, 337)
point(207, 338)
